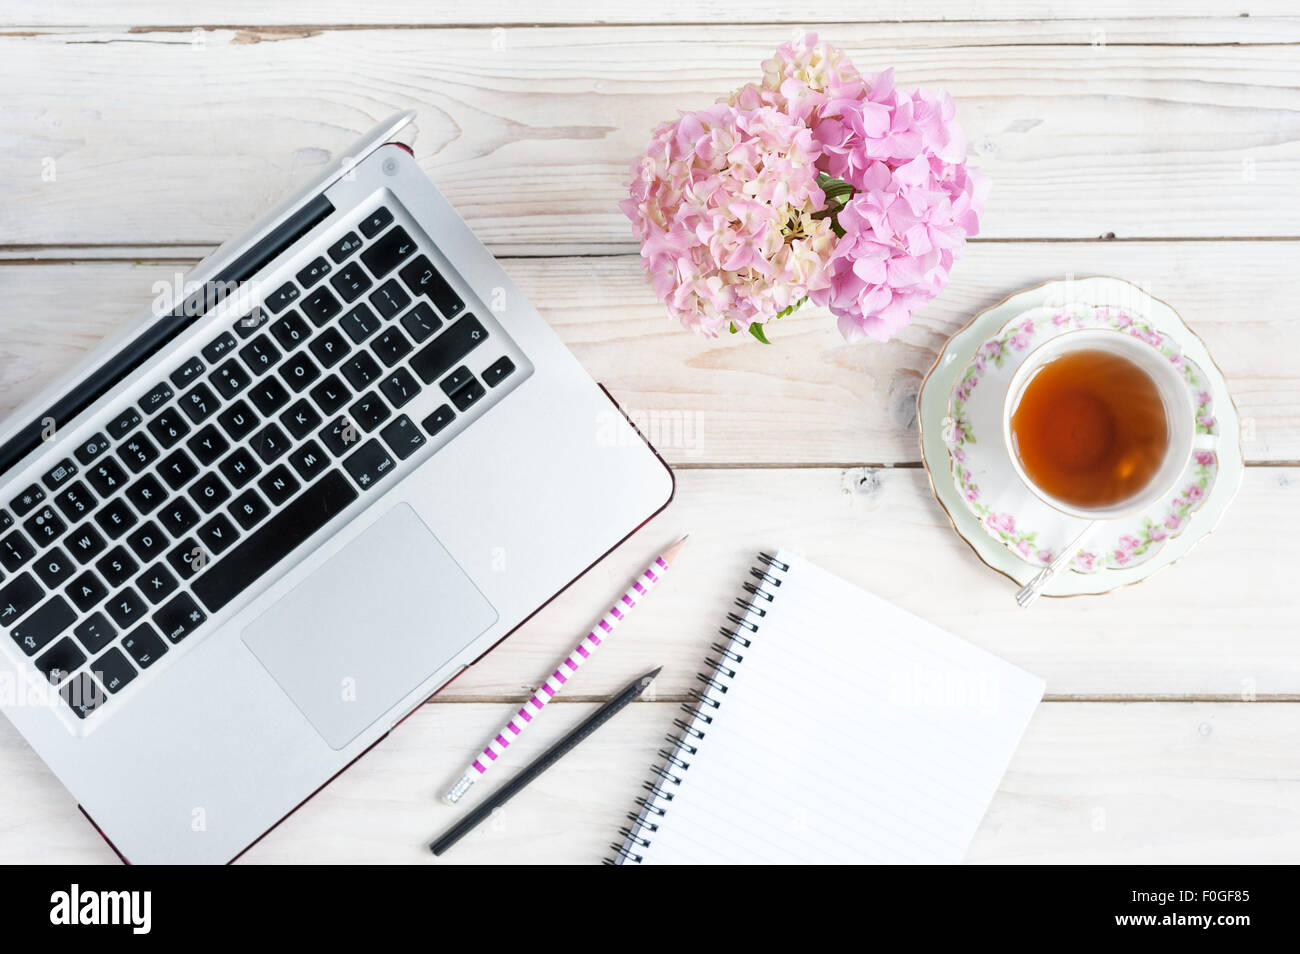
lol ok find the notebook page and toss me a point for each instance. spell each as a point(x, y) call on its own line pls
point(852, 732)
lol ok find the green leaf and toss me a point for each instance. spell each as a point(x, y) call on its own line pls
point(756, 330)
point(732, 326)
point(790, 309)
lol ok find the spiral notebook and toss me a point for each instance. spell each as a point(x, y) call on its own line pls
point(831, 726)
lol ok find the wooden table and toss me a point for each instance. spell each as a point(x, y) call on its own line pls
point(135, 136)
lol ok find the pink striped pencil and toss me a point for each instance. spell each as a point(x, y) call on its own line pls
point(600, 633)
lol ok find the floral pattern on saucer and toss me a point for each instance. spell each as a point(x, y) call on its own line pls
point(1123, 542)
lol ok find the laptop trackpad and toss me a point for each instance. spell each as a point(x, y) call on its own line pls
point(369, 625)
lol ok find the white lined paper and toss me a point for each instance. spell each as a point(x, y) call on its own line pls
point(851, 732)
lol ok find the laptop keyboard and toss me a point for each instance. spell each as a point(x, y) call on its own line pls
point(275, 426)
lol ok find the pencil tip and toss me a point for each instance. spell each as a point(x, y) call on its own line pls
point(648, 678)
point(668, 555)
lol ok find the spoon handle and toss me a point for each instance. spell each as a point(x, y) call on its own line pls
point(1026, 595)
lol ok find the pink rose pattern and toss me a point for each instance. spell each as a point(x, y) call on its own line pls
point(1131, 546)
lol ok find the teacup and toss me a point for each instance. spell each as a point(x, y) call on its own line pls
point(1174, 399)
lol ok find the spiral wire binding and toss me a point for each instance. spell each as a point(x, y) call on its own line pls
point(704, 702)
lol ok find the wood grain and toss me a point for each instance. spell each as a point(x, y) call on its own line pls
point(808, 399)
point(1205, 782)
point(169, 137)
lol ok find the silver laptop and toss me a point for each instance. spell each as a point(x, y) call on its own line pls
point(257, 528)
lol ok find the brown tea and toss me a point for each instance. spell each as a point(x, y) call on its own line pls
point(1090, 428)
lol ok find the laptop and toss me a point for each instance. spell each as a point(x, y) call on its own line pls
point(257, 528)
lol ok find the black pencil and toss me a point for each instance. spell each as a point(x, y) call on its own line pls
point(543, 762)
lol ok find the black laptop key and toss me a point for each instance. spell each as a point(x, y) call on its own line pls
point(361, 369)
point(344, 247)
point(188, 558)
point(82, 694)
point(376, 222)
point(390, 251)
point(6, 521)
point(238, 420)
point(59, 660)
point(291, 331)
point(370, 411)
point(147, 542)
point(85, 591)
point(178, 516)
point(360, 323)
point(95, 632)
point(456, 380)
point(91, 448)
point(146, 493)
point(351, 282)
point(276, 539)
point(309, 460)
point(115, 518)
point(247, 326)
point(126, 608)
point(209, 492)
point(283, 297)
point(60, 474)
point(423, 279)
point(116, 566)
point(260, 354)
point(85, 543)
point(279, 485)
point(340, 436)
point(124, 423)
point(179, 618)
point(469, 395)
point(269, 443)
point(403, 437)
point(199, 403)
point(156, 583)
point(399, 387)
point(314, 272)
point(269, 396)
point(249, 509)
point(230, 379)
point(44, 526)
point(157, 399)
point(217, 535)
point(137, 452)
point(26, 501)
point(498, 371)
point(300, 419)
point(15, 550)
point(144, 645)
point(54, 566)
point(207, 445)
point(18, 596)
point(178, 469)
point(389, 298)
point(75, 502)
point(391, 346)
point(299, 371)
point(41, 627)
point(438, 420)
point(330, 348)
point(320, 306)
point(106, 476)
point(331, 394)
point(369, 464)
point(219, 347)
point(421, 321)
point(448, 349)
point(240, 467)
point(169, 427)
point(112, 670)
point(187, 373)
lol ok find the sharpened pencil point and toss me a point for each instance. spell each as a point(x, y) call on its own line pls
point(671, 553)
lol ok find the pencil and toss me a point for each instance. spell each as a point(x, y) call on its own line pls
point(601, 632)
point(543, 762)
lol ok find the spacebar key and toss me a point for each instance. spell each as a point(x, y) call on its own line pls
point(276, 539)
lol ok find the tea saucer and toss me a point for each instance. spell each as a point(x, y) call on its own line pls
point(1011, 529)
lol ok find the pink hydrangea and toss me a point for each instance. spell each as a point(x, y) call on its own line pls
point(736, 226)
point(724, 202)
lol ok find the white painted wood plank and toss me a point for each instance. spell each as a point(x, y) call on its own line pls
point(1092, 783)
point(809, 398)
point(403, 12)
point(158, 139)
